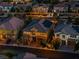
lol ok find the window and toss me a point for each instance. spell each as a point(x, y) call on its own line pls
point(58, 34)
point(63, 36)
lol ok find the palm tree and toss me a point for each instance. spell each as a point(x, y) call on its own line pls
point(51, 40)
point(52, 29)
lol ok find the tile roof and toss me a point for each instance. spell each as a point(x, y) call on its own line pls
point(67, 29)
point(11, 24)
point(59, 27)
point(14, 23)
point(76, 28)
point(36, 24)
point(62, 4)
point(5, 4)
point(4, 19)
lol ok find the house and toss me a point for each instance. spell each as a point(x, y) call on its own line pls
point(63, 8)
point(74, 6)
point(67, 34)
point(4, 6)
point(9, 26)
point(65, 31)
point(22, 1)
point(42, 11)
point(40, 8)
point(60, 7)
point(63, 37)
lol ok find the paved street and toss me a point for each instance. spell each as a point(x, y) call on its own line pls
point(34, 53)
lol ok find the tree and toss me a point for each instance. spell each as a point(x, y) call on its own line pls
point(50, 35)
point(51, 32)
point(12, 9)
point(43, 43)
point(76, 46)
point(26, 21)
point(56, 43)
point(20, 30)
point(28, 9)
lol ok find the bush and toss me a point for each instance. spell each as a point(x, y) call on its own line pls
point(76, 48)
point(43, 43)
point(56, 43)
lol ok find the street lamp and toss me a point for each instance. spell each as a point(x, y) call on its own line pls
point(54, 18)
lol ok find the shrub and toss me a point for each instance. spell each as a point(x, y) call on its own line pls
point(43, 43)
point(76, 48)
point(56, 43)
